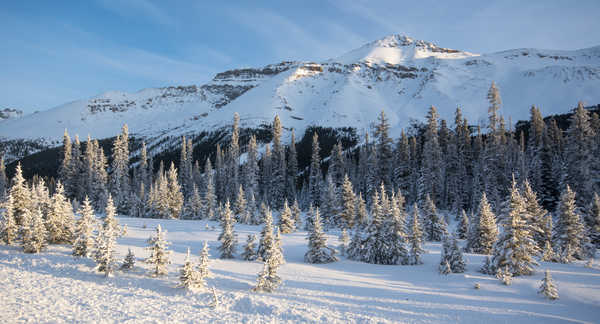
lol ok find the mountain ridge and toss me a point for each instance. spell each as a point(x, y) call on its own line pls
point(397, 74)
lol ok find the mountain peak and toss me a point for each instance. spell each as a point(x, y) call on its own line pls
point(399, 49)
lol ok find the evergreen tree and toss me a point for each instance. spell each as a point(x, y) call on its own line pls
point(296, 213)
point(569, 237)
point(384, 154)
point(240, 208)
point(278, 174)
point(318, 251)
point(432, 159)
point(174, 194)
point(278, 248)
point(548, 288)
point(488, 230)
point(84, 230)
point(330, 205)
point(189, 278)
point(21, 194)
point(416, 239)
point(578, 155)
point(60, 218)
point(194, 206)
point(348, 202)
point(463, 226)
point(266, 235)
point(129, 261)
point(487, 265)
point(227, 237)
point(594, 220)
point(110, 220)
point(435, 226)
point(64, 171)
point(105, 245)
point(8, 226)
point(159, 256)
point(286, 220)
point(210, 198)
point(34, 238)
point(268, 280)
point(452, 256)
point(362, 218)
point(515, 248)
point(536, 214)
point(203, 270)
point(292, 168)
point(249, 253)
point(3, 179)
point(315, 178)
point(119, 179)
point(251, 170)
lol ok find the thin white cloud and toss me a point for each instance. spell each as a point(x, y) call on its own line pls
point(135, 8)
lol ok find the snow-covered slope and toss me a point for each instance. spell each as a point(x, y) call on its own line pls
point(53, 287)
point(398, 74)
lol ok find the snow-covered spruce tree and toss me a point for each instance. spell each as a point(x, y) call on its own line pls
point(249, 253)
point(488, 230)
point(309, 218)
point(129, 261)
point(266, 236)
point(569, 236)
point(432, 161)
point(515, 248)
point(35, 239)
point(344, 242)
point(463, 227)
point(3, 179)
point(348, 202)
point(383, 149)
point(159, 256)
point(286, 222)
point(251, 170)
point(315, 177)
point(203, 270)
point(330, 205)
point(60, 218)
point(416, 239)
point(194, 206)
point(578, 155)
point(84, 230)
point(189, 278)
point(8, 226)
point(278, 247)
point(548, 288)
point(251, 209)
point(210, 198)
point(292, 170)
point(452, 255)
point(435, 226)
point(119, 178)
point(318, 251)
point(109, 220)
point(268, 280)
point(362, 217)
point(593, 216)
point(240, 207)
point(227, 237)
point(279, 169)
point(296, 214)
point(536, 214)
point(21, 194)
point(104, 253)
point(174, 196)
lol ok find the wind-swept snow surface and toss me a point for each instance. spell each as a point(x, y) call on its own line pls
point(52, 286)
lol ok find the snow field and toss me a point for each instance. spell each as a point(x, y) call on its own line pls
point(53, 287)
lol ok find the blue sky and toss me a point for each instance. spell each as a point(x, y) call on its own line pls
point(53, 52)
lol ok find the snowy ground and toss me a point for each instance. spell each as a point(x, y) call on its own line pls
point(54, 287)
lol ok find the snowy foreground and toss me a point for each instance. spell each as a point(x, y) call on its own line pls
point(52, 286)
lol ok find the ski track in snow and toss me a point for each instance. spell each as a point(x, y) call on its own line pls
point(53, 287)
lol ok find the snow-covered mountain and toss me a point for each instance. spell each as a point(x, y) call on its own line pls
point(10, 113)
point(398, 74)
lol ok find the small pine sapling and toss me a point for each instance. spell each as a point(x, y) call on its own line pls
point(129, 261)
point(189, 278)
point(203, 266)
point(548, 288)
point(249, 253)
point(159, 256)
point(215, 299)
